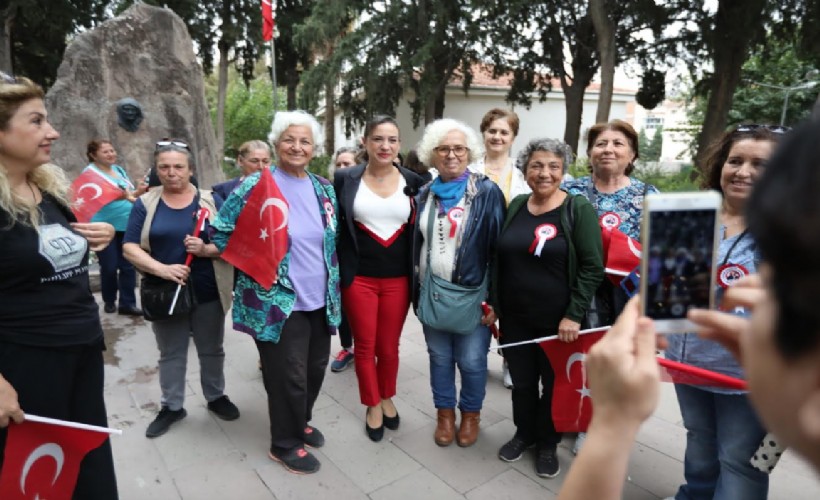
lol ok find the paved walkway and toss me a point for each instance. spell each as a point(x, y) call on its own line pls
point(203, 458)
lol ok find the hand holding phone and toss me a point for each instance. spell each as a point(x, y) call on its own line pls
point(680, 237)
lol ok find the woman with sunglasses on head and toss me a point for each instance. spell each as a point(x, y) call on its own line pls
point(459, 220)
point(374, 261)
point(117, 276)
point(158, 240)
point(253, 157)
point(722, 429)
point(51, 339)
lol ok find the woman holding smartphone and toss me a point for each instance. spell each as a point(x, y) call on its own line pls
point(723, 431)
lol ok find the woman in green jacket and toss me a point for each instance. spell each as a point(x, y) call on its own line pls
point(549, 263)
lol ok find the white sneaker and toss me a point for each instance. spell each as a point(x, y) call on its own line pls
point(505, 369)
point(579, 441)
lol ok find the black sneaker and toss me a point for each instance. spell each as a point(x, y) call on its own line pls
point(546, 462)
point(109, 308)
point(129, 311)
point(297, 460)
point(223, 408)
point(513, 450)
point(163, 422)
point(313, 437)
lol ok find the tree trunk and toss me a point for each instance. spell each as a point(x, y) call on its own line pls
point(292, 80)
point(330, 117)
point(574, 105)
point(736, 24)
point(5, 41)
point(222, 90)
point(605, 32)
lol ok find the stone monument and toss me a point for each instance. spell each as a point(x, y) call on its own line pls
point(134, 80)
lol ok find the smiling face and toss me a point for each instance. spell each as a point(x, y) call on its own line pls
point(382, 145)
point(294, 149)
point(451, 156)
point(25, 142)
point(106, 155)
point(544, 173)
point(174, 171)
point(253, 161)
point(742, 167)
point(611, 153)
point(498, 137)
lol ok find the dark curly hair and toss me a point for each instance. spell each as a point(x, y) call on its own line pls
point(718, 151)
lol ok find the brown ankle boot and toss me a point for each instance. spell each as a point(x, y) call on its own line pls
point(446, 427)
point(468, 431)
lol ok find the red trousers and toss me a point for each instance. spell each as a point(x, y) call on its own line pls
point(376, 309)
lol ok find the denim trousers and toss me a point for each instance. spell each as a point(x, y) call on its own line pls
point(117, 274)
point(207, 324)
point(722, 434)
point(467, 352)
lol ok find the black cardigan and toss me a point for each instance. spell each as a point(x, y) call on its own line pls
point(346, 182)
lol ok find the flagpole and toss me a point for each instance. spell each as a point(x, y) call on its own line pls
point(73, 425)
point(273, 74)
point(550, 337)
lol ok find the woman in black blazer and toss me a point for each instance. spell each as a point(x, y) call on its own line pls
point(375, 221)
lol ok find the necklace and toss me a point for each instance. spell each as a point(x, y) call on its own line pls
point(379, 178)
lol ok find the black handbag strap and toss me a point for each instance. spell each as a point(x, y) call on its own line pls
point(431, 209)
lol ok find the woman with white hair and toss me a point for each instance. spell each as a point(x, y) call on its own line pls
point(460, 216)
point(292, 321)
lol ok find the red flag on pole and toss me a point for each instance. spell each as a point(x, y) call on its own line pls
point(571, 402)
point(622, 257)
point(43, 460)
point(260, 238)
point(267, 20)
point(90, 192)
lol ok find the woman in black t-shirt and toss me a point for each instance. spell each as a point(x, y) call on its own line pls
point(548, 265)
point(51, 339)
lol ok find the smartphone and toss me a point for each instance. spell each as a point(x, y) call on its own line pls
point(679, 248)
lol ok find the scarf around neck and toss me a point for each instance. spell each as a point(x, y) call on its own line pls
point(450, 192)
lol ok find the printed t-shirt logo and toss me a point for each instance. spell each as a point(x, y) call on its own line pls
point(62, 248)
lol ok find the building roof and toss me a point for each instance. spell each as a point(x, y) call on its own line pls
point(483, 79)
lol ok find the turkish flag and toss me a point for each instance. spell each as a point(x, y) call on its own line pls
point(43, 460)
point(90, 192)
point(681, 373)
point(622, 257)
point(571, 402)
point(260, 237)
point(267, 20)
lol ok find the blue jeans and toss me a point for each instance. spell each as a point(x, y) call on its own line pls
point(111, 281)
point(722, 434)
point(468, 352)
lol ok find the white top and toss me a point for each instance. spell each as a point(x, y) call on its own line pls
point(510, 180)
point(382, 218)
point(443, 253)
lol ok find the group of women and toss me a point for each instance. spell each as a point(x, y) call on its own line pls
point(371, 243)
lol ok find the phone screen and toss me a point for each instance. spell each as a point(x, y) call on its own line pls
point(679, 261)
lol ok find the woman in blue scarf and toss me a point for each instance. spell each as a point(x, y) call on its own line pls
point(459, 219)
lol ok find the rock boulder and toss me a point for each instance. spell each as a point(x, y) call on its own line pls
point(144, 54)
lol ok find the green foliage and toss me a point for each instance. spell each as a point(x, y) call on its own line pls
point(685, 180)
point(652, 146)
point(320, 165)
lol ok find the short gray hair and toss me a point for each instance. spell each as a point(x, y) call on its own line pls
point(434, 133)
point(554, 146)
point(172, 148)
point(284, 119)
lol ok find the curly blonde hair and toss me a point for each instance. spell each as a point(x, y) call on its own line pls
point(49, 178)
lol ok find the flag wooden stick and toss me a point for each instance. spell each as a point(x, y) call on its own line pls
point(548, 338)
point(74, 425)
point(202, 217)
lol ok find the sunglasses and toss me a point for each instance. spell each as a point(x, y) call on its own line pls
point(172, 142)
point(775, 129)
point(9, 79)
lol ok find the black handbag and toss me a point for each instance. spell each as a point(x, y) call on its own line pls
point(157, 294)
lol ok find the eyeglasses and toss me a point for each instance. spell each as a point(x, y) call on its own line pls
point(444, 151)
point(775, 129)
point(9, 79)
point(172, 142)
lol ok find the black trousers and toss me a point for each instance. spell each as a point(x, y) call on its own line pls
point(532, 405)
point(293, 371)
point(67, 384)
point(345, 334)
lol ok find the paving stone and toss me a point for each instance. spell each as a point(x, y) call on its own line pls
point(225, 477)
point(419, 484)
point(510, 485)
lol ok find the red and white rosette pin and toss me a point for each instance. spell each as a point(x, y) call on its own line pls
point(543, 233)
point(610, 220)
point(329, 214)
point(728, 274)
point(456, 217)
